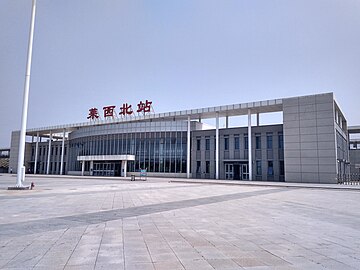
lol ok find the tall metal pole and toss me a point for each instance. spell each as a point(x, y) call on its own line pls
point(188, 148)
point(217, 143)
point(21, 168)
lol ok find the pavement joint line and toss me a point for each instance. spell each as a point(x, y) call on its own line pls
point(98, 252)
point(46, 252)
point(72, 252)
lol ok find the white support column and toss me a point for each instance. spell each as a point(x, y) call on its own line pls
point(217, 146)
point(36, 152)
point(124, 168)
point(188, 149)
point(258, 119)
point(249, 145)
point(91, 167)
point(82, 168)
point(227, 122)
point(62, 154)
point(49, 154)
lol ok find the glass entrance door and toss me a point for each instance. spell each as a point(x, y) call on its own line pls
point(229, 171)
point(104, 169)
point(244, 171)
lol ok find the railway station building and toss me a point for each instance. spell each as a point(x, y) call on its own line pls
point(310, 145)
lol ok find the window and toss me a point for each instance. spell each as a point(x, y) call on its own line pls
point(207, 167)
point(270, 171)
point(198, 144)
point(269, 141)
point(281, 140)
point(226, 143)
point(282, 168)
point(246, 142)
point(258, 141)
point(258, 167)
point(207, 144)
point(198, 166)
point(236, 143)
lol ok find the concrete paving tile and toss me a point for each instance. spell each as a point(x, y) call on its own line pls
point(138, 258)
point(249, 262)
point(163, 257)
point(154, 249)
point(107, 250)
point(259, 268)
point(352, 260)
point(25, 259)
point(18, 268)
point(139, 265)
point(189, 255)
point(173, 265)
point(8, 254)
point(47, 267)
point(109, 259)
point(84, 255)
point(210, 253)
point(109, 266)
point(223, 264)
point(333, 264)
point(79, 267)
point(3, 263)
point(274, 261)
point(233, 252)
point(197, 264)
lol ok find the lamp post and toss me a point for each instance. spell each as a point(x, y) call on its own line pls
point(21, 168)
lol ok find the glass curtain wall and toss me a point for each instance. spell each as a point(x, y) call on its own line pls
point(163, 152)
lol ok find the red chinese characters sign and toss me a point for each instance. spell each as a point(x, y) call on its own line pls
point(93, 114)
point(109, 111)
point(144, 107)
point(125, 110)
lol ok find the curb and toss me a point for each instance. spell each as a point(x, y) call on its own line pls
point(354, 188)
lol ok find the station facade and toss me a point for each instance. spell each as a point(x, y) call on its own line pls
point(311, 145)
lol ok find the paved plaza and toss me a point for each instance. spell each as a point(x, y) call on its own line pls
point(93, 223)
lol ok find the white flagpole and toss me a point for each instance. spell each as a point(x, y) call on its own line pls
point(21, 167)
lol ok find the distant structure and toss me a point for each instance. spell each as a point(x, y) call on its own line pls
point(354, 151)
point(4, 160)
point(310, 146)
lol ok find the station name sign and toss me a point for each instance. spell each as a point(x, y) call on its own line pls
point(125, 110)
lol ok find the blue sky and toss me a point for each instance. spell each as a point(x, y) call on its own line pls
point(179, 54)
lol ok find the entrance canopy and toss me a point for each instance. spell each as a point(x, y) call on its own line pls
point(106, 158)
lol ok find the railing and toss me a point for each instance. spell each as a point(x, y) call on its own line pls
point(349, 179)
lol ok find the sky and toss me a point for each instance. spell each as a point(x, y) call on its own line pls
point(181, 55)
